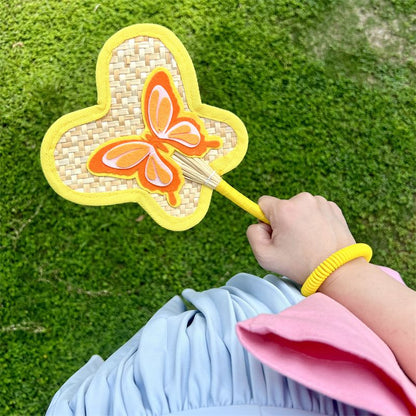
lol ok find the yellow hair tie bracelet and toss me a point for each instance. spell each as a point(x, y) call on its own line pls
point(333, 262)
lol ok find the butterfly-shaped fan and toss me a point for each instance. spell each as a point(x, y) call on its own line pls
point(149, 139)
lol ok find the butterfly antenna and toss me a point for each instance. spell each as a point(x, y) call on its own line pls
point(197, 170)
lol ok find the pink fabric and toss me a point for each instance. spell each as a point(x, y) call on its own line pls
point(392, 273)
point(322, 345)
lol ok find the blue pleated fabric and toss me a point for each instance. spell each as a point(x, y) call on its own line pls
point(189, 362)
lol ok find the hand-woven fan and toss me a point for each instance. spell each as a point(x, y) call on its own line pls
point(149, 139)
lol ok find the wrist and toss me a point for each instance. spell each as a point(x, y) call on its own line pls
point(342, 277)
point(332, 263)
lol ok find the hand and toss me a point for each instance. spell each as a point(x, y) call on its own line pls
point(303, 232)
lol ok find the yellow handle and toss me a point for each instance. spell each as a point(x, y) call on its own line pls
point(242, 201)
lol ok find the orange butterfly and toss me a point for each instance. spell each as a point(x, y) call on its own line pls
point(167, 128)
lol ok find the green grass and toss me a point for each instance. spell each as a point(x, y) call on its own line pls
point(326, 90)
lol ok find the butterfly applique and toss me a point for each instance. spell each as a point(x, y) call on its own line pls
point(147, 157)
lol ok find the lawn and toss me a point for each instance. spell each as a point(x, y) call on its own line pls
point(326, 90)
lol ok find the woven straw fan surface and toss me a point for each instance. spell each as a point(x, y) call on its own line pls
point(126, 66)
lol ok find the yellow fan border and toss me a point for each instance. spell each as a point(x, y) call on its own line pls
point(62, 125)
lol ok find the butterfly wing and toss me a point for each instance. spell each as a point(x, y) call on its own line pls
point(165, 117)
point(119, 158)
point(186, 136)
point(159, 174)
point(129, 158)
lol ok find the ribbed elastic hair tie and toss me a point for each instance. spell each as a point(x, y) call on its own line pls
point(333, 262)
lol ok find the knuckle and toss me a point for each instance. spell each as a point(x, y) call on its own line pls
point(251, 229)
point(264, 198)
point(304, 197)
point(336, 209)
point(266, 201)
point(320, 199)
point(334, 206)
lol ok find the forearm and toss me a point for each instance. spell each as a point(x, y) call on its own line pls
point(383, 304)
point(303, 232)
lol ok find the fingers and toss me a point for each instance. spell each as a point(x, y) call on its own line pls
point(259, 237)
point(273, 207)
point(268, 205)
point(276, 210)
point(281, 212)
